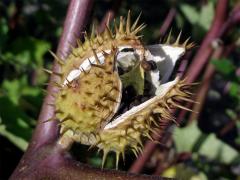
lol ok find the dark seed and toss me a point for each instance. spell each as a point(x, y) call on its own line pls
point(127, 50)
point(148, 65)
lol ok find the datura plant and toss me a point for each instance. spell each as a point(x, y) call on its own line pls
point(94, 106)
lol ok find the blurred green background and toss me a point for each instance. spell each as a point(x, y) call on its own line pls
point(29, 28)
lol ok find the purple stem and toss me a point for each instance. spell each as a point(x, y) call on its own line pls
point(78, 12)
point(168, 21)
point(47, 133)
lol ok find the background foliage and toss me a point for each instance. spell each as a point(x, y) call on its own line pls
point(29, 28)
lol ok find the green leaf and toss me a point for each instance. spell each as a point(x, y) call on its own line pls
point(181, 171)
point(224, 66)
point(28, 51)
point(190, 12)
point(191, 139)
point(16, 140)
point(234, 89)
point(14, 123)
point(13, 89)
point(206, 16)
point(135, 78)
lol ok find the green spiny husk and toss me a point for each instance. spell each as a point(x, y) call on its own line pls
point(86, 105)
point(89, 102)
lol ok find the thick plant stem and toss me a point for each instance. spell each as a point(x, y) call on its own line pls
point(202, 93)
point(47, 133)
point(78, 13)
point(206, 49)
point(167, 22)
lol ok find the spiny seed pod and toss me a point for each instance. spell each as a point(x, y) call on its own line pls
point(88, 104)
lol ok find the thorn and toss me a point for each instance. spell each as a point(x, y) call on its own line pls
point(48, 120)
point(154, 121)
point(154, 131)
point(149, 137)
point(188, 100)
point(139, 28)
point(68, 118)
point(136, 22)
point(98, 66)
point(165, 105)
point(59, 60)
point(128, 24)
point(68, 83)
point(58, 74)
point(175, 121)
point(105, 152)
point(91, 107)
point(95, 56)
point(193, 84)
point(140, 150)
point(87, 38)
point(51, 72)
point(47, 71)
point(114, 88)
point(115, 26)
point(93, 31)
point(157, 142)
point(189, 93)
point(73, 53)
point(117, 159)
point(98, 40)
point(105, 54)
point(110, 99)
point(168, 41)
point(108, 19)
point(57, 85)
point(182, 107)
point(121, 24)
point(186, 42)
point(134, 152)
point(178, 39)
point(79, 43)
point(140, 36)
point(191, 45)
point(139, 142)
point(108, 32)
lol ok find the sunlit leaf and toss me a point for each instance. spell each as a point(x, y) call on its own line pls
point(17, 140)
point(191, 139)
point(206, 16)
point(190, 13)
point(14, 123)
point(134, 78)
point(181, 171)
